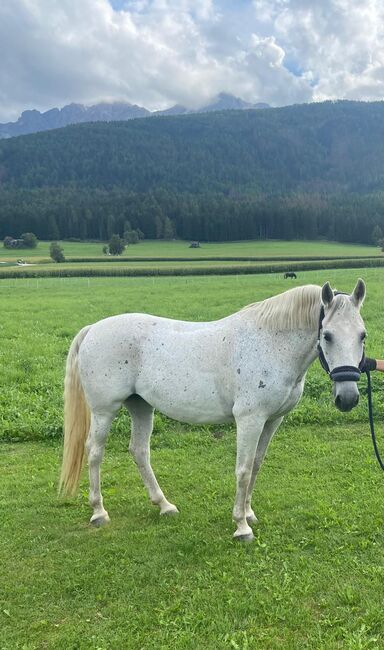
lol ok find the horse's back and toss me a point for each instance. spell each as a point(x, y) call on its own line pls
point(174, 365)
point(190, 371)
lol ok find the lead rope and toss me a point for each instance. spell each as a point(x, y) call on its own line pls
point(371, 424)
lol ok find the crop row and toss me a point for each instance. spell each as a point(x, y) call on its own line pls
point(129, 271)
point(239, 258)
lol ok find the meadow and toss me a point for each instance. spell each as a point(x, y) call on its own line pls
point(178, 248)
point(173, 258)
point(312, 579)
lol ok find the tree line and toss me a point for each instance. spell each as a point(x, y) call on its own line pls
point(65, 213)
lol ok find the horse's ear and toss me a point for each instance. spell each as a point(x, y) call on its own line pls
point(358, 294)
point(327, 295)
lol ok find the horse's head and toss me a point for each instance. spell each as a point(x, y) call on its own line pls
point(341, 342)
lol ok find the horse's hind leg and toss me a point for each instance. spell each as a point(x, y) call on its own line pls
point(265, 438)
point(142, 424)
point(100, 425)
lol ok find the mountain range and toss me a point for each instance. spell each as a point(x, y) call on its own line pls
point(33, 121)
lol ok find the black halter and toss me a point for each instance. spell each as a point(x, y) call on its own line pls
point(341, 373)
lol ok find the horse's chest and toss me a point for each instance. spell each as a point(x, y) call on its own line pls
point(291, 397)
point(275, 394)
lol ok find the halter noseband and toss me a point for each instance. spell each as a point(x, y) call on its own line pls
point(341, 373)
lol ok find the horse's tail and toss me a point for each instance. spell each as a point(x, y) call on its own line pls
point(76, 420)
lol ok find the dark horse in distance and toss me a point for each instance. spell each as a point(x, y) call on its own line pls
point(290, 274)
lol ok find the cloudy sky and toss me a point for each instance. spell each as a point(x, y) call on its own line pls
point(160, 52)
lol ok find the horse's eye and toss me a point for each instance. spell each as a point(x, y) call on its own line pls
point(363, 336)
point(327, 337)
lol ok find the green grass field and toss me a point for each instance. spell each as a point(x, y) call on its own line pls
point(178, 268)
point(121, 263)
point(312, 579)
point(176, 258)
point(181, 249)
point(40, 318)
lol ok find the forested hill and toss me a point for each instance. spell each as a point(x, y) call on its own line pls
point(329, 146)
point(306, 170)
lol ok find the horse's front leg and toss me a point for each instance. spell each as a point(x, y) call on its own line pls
point(268, 431)
point(249, 429)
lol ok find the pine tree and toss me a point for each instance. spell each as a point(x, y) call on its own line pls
point(377, 235)
point(169, 229)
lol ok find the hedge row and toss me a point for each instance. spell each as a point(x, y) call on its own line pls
point(62, 272)
point(218, 259)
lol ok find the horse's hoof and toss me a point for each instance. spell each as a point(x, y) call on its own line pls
point(99, 520)
point(245, 537)
point(170, 511)
point(252, 519)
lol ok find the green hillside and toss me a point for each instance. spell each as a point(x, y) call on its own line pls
point(295, 172)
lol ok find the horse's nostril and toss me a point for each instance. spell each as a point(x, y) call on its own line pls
point(346, 404)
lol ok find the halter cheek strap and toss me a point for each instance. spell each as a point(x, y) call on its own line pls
point(341, 373)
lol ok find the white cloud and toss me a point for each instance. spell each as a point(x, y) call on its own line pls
point(337, 43)
point(159, 52)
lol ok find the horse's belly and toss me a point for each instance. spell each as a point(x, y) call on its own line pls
point(201, 403)
point(184, 413)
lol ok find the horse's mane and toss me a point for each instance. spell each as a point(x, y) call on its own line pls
point(295, 308)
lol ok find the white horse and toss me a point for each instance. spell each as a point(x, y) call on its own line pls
point(249, 367)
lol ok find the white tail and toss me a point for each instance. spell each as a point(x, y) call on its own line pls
point(76, 420)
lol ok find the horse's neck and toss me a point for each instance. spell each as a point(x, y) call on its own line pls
point(311, 354)
point(303, 349)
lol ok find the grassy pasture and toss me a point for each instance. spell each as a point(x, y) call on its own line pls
point(176, 258)
point(40, 318)
point(312, 579)
point(114, 265)
point(148, 268)
point(151, 248)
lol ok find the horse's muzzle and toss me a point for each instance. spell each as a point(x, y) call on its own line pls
point(346, 395)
